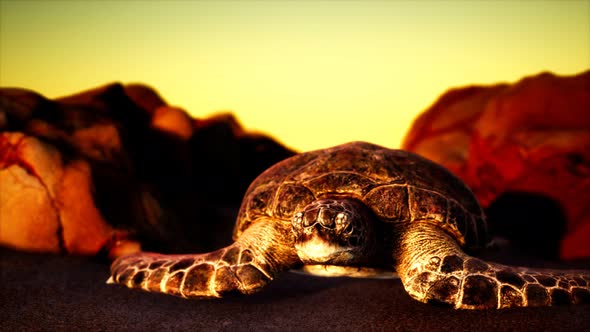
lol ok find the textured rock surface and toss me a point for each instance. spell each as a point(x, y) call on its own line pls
point(524, 149)
point(118, 162)
point(80, 174)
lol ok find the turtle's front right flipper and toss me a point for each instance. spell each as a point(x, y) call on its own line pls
point(203, 275)
point(243, 267)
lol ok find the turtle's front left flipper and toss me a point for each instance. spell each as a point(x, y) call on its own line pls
point(434, 269)
point(243, 267)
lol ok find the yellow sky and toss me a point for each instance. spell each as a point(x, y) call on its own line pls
point(311, 73)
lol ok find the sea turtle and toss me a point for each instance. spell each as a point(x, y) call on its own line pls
point(362, 208)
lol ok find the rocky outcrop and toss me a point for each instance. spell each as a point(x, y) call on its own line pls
point(97, 171)
point(524, 149)
point(100, 171)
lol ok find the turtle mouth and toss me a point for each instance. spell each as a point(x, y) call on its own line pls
point(319, 250)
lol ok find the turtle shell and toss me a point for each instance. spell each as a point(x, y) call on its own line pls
point(398, 186)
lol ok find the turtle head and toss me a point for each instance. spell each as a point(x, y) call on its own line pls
point(333, 231)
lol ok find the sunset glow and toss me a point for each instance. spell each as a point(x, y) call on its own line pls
point(312, 74)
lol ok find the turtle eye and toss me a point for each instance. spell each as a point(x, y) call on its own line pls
point(341, 219)
point(298, 220)
point(298, 217)
point(343, 223)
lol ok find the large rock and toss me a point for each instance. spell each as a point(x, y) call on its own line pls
point(106, 168)
point(524, 149)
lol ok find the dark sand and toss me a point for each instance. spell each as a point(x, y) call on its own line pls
point(47, 292)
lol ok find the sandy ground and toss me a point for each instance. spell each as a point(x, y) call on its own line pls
point(46, 292)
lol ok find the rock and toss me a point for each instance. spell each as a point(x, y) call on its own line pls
point(104, 169)
point(444, 131)
point(145, 97)
point(29, 174)
point(527, 141)
point(45, 204)
point(173, 121)
point(84, 229)
point(18, 106)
